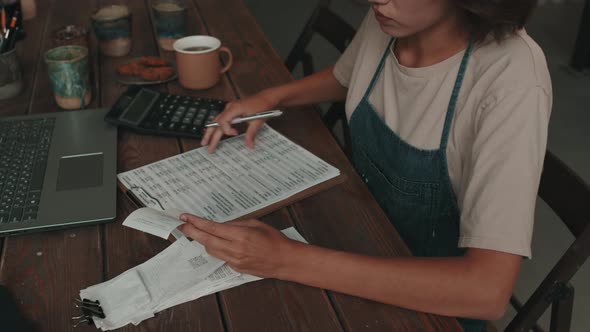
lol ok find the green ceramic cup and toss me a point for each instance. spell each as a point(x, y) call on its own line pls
point(68, 69)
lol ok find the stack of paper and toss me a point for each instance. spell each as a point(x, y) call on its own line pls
point(180, 273)
point(226, 185)
point(232, 182)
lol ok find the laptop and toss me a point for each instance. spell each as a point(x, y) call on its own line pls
point(56, 170)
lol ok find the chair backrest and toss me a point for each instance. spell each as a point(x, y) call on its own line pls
point(569, 197)
point(328, 25)
point(338, 33)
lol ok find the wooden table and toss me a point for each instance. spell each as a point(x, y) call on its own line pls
point(47, 270)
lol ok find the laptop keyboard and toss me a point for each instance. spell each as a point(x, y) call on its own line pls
point(24, 147)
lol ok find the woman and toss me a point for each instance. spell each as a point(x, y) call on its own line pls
point(448, 103)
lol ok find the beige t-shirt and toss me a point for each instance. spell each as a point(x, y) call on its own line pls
point(499, 132)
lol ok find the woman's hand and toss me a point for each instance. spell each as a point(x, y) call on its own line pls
point(248, 246)
point(263, 101)
point(318, 87)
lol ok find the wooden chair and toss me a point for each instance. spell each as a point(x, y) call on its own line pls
point(337, 32)
point(581, 55)
point(569, 197)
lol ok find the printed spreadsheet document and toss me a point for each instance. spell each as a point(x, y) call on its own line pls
point(232, 182)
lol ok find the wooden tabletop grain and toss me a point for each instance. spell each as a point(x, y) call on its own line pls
point(46, 270)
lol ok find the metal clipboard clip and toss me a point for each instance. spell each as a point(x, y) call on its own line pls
point(146, 195)
point(89, 310)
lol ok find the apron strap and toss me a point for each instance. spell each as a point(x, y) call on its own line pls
point(454, 96)
point(378, 71)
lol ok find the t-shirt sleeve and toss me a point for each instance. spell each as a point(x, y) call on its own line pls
point(504, 170)
point(345, 64)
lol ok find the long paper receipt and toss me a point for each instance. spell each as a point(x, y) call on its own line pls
point(232, 182)
point(180, 273)
point(158, 223)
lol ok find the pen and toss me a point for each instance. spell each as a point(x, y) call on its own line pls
point(13, 20)
point(3, 20)
point(12, 24)
point(261, 115)
point(7, 38)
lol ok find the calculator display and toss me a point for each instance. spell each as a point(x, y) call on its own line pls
point(142, 101)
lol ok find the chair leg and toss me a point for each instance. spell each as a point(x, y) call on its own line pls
point(581, 56)
point(518, 306)
point(347, 139)
point(561, 310)
point(307, 64)
point(334, 113)
point(551, 287)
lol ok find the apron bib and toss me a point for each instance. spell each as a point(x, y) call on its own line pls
point(411, 185)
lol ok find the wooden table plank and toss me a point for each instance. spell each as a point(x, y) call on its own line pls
point(359, 222)
point(47, 270)
point(125, 247)
point(264, 295)
point(272, 305)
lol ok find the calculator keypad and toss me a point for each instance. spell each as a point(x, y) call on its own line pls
point(182, 114)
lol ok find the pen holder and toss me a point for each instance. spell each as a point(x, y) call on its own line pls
point(11, 78)
point(12, 7)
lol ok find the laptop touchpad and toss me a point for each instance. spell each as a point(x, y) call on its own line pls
point(80, 171)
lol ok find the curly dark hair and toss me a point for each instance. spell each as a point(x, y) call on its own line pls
point(498, 17)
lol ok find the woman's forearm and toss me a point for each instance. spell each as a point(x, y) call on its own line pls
point(319, 87)
point(476, 287)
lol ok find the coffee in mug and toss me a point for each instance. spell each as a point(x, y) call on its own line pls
point(198, 61)
point(197, 48)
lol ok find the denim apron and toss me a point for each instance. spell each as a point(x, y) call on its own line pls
point(411, 185)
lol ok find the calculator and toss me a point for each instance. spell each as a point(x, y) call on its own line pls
point(151, 112)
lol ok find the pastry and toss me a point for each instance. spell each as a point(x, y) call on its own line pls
point(150, 61)
point(156, 73)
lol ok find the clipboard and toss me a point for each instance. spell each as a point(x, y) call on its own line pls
point(292, 173)
point(311, 191)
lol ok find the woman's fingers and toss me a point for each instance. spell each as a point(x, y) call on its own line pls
point(224, 122)
point(213, 135)
point(250, 105)
point(208, 240)
point(221, 230)
point(207, 135)
point(217, 135)
point(253, 128)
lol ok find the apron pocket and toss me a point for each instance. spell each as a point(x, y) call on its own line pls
point(408, 204)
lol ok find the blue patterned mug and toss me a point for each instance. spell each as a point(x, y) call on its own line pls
point(170, 19)
point(112, 26)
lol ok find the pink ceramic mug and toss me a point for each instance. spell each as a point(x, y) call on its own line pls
point(198, 61)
